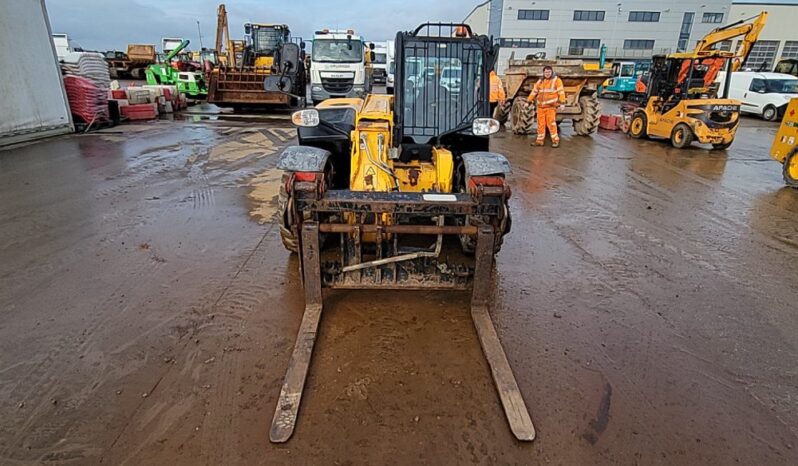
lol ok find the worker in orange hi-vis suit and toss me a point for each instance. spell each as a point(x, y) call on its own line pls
point(548, 95)
point(497, 95)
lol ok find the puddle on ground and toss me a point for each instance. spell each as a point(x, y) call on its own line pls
point(232, 151)
point(265, 187)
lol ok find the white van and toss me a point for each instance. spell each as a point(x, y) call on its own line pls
point(764, 94)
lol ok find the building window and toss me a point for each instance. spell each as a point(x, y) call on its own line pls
point(644, 16)
point(790, 49)
point(684, 32)
point(578, 46)
point(712, 18)
point(762, 55)
point(725, 45)
point(638, 44)
point(539, 43)
point(588, 15)
point(534, 15)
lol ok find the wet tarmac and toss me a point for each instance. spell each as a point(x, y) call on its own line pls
point(646, 299)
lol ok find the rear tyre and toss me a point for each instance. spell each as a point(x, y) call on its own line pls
point(681, 136)
point(590, 115)
point(790, 169)
point(638, 126)
point(522, 116)
point(770, 113)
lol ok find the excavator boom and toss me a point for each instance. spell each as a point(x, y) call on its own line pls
point(713, 58)
point(749, 29)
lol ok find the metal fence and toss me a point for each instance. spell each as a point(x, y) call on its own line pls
point(612, 52)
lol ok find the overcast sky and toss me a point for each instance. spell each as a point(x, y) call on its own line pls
point(112, 24)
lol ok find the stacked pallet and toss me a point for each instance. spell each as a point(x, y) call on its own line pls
point(87, 65)
point(86, 101)
point(87, 81)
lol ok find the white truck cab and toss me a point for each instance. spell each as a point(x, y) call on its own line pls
point(380, 64)
point(64, 45)
point(338, 65)
point(389, 80)
point(763, 94)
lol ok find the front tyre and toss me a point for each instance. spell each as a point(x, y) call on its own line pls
point(638, 126)
point(790, 169)
point(287, 223)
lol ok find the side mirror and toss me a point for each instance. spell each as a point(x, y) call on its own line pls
point(277, 83)
point(247, 29)
point(371, 45)
point(302, 45)
point(308, 118)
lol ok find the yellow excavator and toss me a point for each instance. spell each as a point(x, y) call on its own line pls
point(681, 102)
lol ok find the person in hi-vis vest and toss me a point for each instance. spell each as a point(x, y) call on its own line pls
point(548, 96)
point(497, 95)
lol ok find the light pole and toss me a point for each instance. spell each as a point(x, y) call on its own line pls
point(199, 31)
point(614, 26)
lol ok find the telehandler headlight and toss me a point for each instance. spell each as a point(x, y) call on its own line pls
point(485, 126)
point(307, 118)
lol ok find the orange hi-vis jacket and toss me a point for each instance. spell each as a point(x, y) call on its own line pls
point(548, 92)
point(496, 89)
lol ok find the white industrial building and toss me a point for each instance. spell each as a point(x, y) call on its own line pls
point(778, 40)
point(631, 29)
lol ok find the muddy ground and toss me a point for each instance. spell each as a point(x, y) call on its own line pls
point(646, 299)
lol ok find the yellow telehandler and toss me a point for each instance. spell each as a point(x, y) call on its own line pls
point(401, 192)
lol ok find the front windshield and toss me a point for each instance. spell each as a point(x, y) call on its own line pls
point(412, 68)
point(337, 50)
point(451, 73)
point(380, 58)
point(782, 86)
point(432, 102)
point(627, 70)
point(266, 40)
point(787, 67)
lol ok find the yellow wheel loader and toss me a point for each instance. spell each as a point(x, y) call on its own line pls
point(681, 102)
point(401, 192)
point(264, 70)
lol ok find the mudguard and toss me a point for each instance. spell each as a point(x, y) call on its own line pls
point(485, 164)
point(303, 159)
